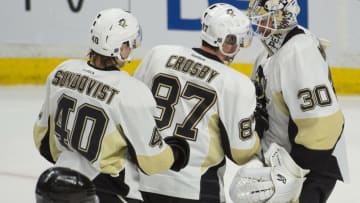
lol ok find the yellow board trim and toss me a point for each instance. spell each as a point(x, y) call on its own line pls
point(15, 71)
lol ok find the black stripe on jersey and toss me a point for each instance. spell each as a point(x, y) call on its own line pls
point(225, 143)
point(292, 33)
point(131, 156)
point(45, 146)
point(210, 184)
point(207, 55)
point(110, 68)
point(320, 162)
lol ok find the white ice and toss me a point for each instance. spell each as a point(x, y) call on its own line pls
point(21, 164)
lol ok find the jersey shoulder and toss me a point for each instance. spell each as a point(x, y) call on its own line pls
point(133, 92)
point(72, 63)
point(163, 47)
point(301, 53)
point(167, 49)
point(236, 83)
point(67, 65)
point(301, 44)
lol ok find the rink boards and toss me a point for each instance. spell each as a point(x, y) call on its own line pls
point(15, 71)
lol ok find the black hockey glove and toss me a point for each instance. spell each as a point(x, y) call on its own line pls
point(261, 120)
point(260, 114)
point(181, 151)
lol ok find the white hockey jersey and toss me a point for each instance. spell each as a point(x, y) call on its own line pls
point(94, 121)
point(304, 113)
point(207, 103)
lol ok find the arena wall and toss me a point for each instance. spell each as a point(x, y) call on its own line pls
point(38, 35)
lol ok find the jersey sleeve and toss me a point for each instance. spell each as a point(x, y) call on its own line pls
point(41, 129)
point(316, 119)
point(145, 143)
point(237, 105)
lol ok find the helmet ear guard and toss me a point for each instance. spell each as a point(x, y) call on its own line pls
point(110, 29)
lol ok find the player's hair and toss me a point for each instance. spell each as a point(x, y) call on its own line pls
point(106, 61)
point(205, 44)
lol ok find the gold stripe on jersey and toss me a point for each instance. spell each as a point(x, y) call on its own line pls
point(113, 153)
point(215, 152)
point(319, 133)
point(241, 156)
point(39, 134)
point(150, 166)
point(55, 152)
point(280, 103)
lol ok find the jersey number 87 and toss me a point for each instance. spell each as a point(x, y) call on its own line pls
point(167, 91)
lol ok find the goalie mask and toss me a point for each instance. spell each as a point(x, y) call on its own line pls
point(224, 25)
point(273, 16)
point(110, 29)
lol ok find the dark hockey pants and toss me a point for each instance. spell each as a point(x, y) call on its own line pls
point(317, 189)
point(157, 198)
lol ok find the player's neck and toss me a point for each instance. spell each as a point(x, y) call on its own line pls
point(213, 52)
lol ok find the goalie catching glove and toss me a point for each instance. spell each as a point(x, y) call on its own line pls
point(279, 182)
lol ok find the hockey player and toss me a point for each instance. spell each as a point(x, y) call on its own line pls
point(204, 101)
point(297, 107)
point(59, 184)
point(99, 121)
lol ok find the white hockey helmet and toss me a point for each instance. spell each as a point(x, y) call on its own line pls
point(275, 16)
point(224, 23)
point(111, 28)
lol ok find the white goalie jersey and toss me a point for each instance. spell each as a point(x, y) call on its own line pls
point(93, 120)
point(208, 104)
point(304, 113)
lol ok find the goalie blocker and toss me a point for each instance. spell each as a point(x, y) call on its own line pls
point(280, 181)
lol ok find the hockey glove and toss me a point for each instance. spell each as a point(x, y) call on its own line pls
point(260, 114)
point(181, 151)
point(252, 183)
point(261, 120)
point(280, 182)
point(287, 176)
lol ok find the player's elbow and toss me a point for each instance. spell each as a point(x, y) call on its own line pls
point(157, 163)
point(242, 156)
point(320, 133)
